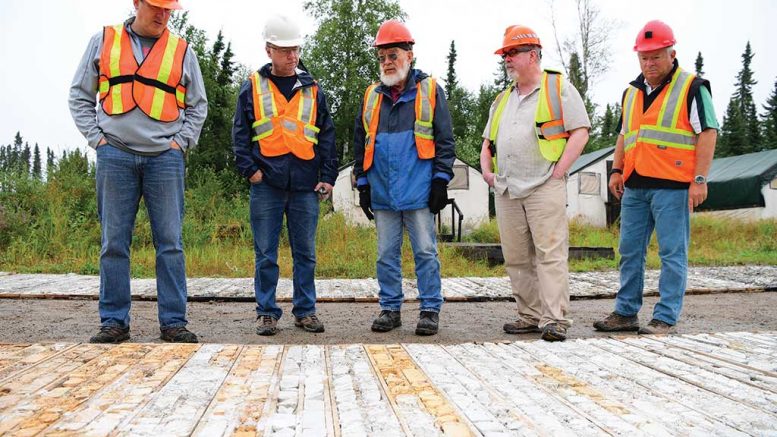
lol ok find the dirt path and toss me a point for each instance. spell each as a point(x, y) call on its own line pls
point(28, 321)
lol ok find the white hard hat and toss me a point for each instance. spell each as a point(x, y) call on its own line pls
point(282, 31)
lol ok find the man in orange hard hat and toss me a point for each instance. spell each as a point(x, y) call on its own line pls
point(662, 157)
point(537, 128)
point(151, 106)
point(404, 152)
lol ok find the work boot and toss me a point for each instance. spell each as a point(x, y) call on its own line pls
point(617, 322)
point(656, 327)
point(554, 332)
point(520, 327)
point(309, 323)
point(266, 325)
point(111, 334)
point(427, 323)
point(178, 335)
point(386, 321)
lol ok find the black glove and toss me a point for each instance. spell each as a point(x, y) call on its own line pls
point(365, 201)
point(438, 197)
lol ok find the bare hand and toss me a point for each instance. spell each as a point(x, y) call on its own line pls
point(256, 177)
point(174, 145)
point(489, 178)
point(616, 185)
point(697, 193)
point(324, 190)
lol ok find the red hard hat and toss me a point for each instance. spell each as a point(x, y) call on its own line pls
point(518, 36)
point(165, 4)
point(393, 32)
point(655, 35)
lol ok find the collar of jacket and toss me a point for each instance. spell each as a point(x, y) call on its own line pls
point(639, 82)
point(413, 77)
point(303, 77)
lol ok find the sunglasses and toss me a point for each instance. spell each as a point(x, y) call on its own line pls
point(514, 52)
point(390, 57)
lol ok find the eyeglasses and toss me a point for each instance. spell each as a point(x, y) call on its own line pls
point(514, 52)
point(390, 57)
point(286, 51)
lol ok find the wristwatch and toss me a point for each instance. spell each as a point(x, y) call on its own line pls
point(616, 170)
point(700, 179)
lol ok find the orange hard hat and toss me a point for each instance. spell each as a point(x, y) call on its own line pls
point(165, 4)
point(655, 35)
point(518, 35)
point(393, 32)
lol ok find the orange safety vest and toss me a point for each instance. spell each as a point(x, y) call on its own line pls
point(424, 119)
point(283, 126)
point(154, 86)
point(660, 142)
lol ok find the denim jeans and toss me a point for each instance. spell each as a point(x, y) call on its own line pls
point(122, 179)
point(268, 206)
point(420, 227)
point(642, 210)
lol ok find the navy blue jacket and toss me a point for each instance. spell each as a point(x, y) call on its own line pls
point(398, 179)
point(285, 172)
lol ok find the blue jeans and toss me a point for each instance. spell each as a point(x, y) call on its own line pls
point(420, 227)
point(642, 210)
point(122, 179)
point(268, 205)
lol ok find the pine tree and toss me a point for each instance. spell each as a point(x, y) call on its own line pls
point(699, 65)
point(459, 104)
point(732, 131)
point(50, 163)
point(24, 162)
point(451, 82)
point(741, 131)
point(36, 164)
point(769, 121)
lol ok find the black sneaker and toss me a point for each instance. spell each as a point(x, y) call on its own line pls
point(266, 325)
point(309, 323)
point(520, 327)
point(554, 332)
point(178, 335)
point(427, 323)
point(617, 322)
point(111, 334)
point(657, 327)
point(386, 321)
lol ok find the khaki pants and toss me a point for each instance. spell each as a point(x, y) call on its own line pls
point(535, 243)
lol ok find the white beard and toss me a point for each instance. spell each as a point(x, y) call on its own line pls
point(390, 80)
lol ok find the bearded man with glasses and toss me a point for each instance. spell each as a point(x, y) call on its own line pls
point(404, 152)
point(536, 130)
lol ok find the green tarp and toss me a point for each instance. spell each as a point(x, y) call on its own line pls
point(736, 181)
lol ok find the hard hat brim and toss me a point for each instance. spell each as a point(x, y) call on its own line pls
point(288, 42)
point(166, 4)
point(652, 45)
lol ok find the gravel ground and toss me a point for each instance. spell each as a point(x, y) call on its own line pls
point(30, 321)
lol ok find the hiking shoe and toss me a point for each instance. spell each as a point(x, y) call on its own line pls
point(111, 334)
point(520, 327)
point(309, 323)
point(386, 321)
point(178, 335)
point(554, 332)
point(427, 323)
point(617, 322)
point(657, 327)
point(266, 325)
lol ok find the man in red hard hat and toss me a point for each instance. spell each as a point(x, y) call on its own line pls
point(662, 157)
point(404, 152)
point(537, 128)
point(151, 106)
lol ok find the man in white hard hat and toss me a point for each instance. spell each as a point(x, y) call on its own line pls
point(284, 144)
point(151, 106)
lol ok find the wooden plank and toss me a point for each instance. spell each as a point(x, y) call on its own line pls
point(425, 410)
point(35, 411)
point(238, 405)
point(118, 402)
point(177, 407)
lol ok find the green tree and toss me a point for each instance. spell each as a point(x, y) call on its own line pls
point(769, 121)
point(732, 132)
point(744, 133)
point(50, 162)
point(36, 163)
point(460, 104)
point(699, 65)
point(451, 82)
point(340, 57)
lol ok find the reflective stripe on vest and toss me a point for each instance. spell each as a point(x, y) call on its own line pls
point(660, 142)
point(283, 126)
point(423, 128)
point(548, 118)
point(154, 86)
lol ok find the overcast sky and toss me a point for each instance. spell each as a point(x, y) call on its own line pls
point(43, 42)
